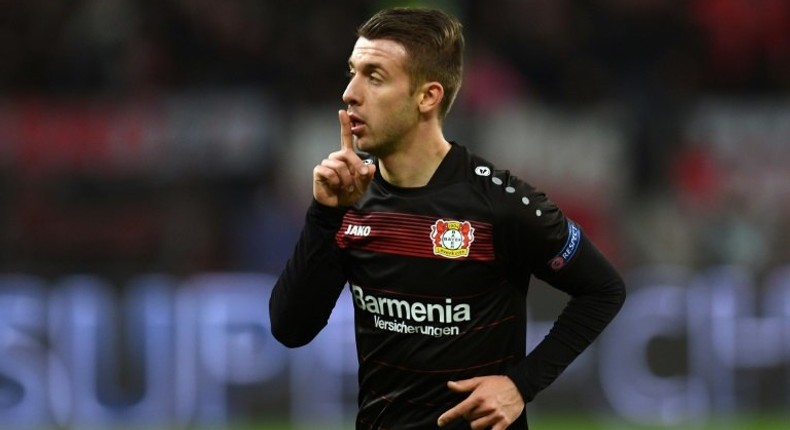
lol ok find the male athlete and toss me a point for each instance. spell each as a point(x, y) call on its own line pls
point(438, 247)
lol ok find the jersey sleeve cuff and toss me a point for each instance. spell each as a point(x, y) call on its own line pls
point(541, 367)
point(325, 216)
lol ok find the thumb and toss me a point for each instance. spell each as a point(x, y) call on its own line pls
point(463, 386)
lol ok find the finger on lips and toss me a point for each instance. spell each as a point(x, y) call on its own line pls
point(347, 145)
point(346, 138)
point(343, 173)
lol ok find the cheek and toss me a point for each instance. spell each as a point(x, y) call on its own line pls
point(394, 112)
point(398, 115)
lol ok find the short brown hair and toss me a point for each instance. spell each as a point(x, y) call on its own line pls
point(433, 40)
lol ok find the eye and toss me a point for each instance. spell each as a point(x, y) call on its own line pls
point(350, 74)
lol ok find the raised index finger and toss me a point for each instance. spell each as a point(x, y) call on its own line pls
point(346, 138)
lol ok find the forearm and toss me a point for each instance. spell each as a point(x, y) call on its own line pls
point(597, 294)
point(307, 289)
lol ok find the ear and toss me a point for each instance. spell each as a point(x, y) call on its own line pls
point(431, 95)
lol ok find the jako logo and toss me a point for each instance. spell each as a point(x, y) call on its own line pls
point(357, 230)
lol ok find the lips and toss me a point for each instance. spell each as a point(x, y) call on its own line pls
point(357, 124)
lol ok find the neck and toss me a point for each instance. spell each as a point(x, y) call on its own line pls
point(415, 164)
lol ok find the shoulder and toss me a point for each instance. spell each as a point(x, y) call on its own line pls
point(511, 197)
point(527, 222)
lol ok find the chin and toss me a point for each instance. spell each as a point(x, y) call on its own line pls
point(364, 145)
point(376, 149)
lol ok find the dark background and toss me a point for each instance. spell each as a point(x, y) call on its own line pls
point(178, 137)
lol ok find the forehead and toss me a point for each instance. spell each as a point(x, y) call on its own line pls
point(385, 53)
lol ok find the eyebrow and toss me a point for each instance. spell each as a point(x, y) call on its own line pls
point(369, 67)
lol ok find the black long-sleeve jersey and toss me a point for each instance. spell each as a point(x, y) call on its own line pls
point(439, 277)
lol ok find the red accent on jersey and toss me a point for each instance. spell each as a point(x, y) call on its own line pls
point(411, 235)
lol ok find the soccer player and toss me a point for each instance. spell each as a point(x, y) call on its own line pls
point(438, 247)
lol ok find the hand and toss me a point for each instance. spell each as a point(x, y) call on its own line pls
point(342, 178)
point(494, 402)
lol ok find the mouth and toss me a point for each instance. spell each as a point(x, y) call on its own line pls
point(357, 124)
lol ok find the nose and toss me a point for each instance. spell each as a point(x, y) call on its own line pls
point(351, 94)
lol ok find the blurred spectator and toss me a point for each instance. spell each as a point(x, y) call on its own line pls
point(145, 121)
point(748, 43)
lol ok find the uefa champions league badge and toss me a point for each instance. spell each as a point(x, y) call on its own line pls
point(569, 250)
point(452, 239)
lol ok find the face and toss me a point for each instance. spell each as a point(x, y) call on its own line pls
point(383, 111)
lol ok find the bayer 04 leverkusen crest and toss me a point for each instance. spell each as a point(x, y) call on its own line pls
point(452, 239)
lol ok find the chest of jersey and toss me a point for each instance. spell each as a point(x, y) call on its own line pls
point(440, 243)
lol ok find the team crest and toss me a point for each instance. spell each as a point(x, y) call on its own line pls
point(452, 239)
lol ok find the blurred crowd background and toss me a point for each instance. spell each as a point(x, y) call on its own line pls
point(179, 136)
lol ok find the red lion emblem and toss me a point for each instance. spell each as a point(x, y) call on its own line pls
point(452, 239)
